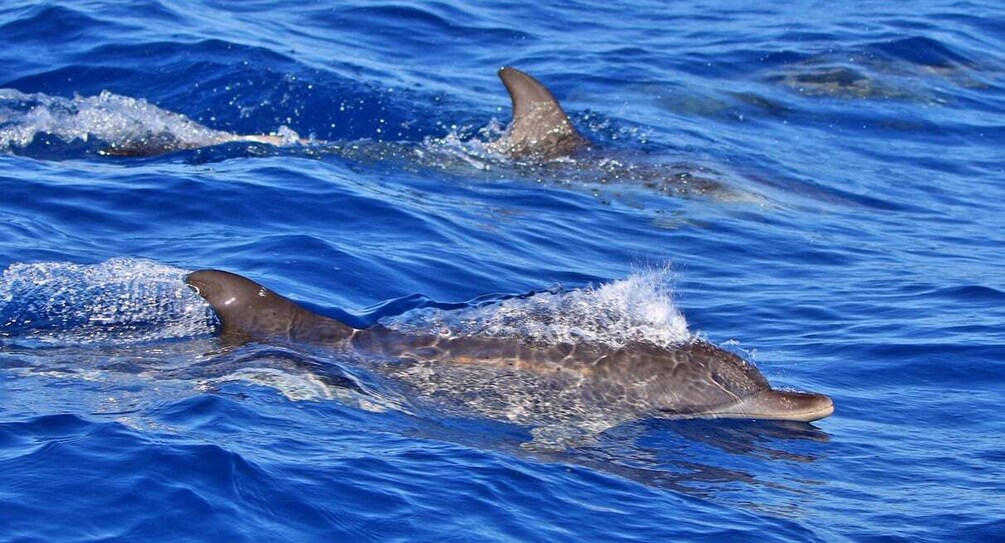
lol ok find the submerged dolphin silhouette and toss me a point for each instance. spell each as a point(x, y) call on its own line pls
point(694, 379)
point(160, 144)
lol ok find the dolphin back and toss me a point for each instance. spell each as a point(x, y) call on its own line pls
point(249, 311)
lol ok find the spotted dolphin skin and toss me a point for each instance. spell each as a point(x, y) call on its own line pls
point(694, 379)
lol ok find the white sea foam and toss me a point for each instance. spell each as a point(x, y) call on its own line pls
point(122, 300)
point(109, 118)
point(637, 309)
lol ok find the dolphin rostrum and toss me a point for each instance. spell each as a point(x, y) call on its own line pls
point(693, 379)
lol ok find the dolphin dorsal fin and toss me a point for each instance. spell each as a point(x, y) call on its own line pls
point(248, 311)
point(540, 127)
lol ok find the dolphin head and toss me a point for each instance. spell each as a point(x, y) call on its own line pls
point(776, 404)
point(707, 381)
point(748, 395)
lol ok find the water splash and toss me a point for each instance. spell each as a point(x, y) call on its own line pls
point(110, 123)
point(637, 309)
point(122, 300)
point(108, 117)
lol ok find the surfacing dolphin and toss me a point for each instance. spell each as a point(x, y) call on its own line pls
point(540, 129)
point(539, 132)
point(693, 379)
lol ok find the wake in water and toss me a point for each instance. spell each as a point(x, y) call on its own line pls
point(120, 301)
point(110, 124)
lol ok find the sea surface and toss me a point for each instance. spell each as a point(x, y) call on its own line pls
point(816, 186)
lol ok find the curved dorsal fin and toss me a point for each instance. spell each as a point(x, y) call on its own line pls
point(248, 310)
point(540, 127)
point(526, 92)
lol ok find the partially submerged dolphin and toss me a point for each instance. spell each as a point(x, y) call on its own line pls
point(540, 129)
point(694, 379)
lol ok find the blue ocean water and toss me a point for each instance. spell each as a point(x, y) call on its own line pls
point(817, 187)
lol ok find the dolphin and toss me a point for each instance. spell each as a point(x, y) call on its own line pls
point(540, 129)
point(694, 379)
point(540, 132)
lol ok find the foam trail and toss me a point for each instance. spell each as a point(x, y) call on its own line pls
point(112, 122)
point(119, 301)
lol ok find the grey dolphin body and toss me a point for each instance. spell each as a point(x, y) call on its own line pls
point(694, 379)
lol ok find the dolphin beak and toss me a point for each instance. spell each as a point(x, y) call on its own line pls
point(780, 405)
